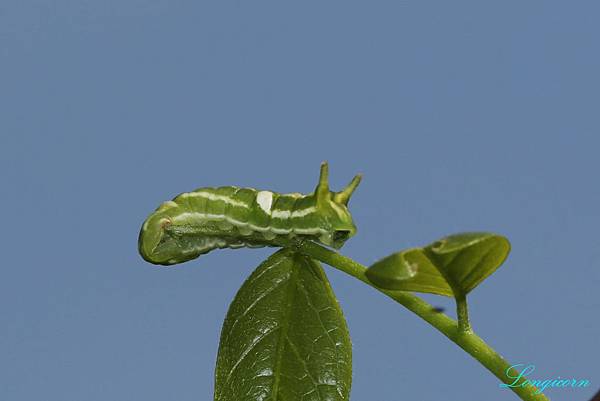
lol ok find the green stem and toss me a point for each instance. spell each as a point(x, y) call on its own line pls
point(462, 312)
point(462, 336)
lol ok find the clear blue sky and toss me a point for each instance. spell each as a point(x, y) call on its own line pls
point(461, 115)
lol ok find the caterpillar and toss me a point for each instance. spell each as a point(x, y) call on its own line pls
point(195, 223)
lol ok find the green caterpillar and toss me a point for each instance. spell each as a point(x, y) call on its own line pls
point(194, 223)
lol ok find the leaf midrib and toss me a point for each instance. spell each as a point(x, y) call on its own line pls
point(283, 332)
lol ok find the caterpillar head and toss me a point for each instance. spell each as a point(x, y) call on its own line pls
point(334, 209)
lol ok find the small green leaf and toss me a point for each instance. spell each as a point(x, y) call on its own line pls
point(284, 337)
point(453, 265)
point(469, 258)
point(409, 270)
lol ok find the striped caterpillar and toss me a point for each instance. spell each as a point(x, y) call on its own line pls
point(194, 223)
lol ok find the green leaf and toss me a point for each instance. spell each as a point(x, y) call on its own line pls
point(284, 337)
point(409, 270)
point(469, 258)
point(453, 265)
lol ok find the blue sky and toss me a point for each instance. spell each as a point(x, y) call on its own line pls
point(462, 116)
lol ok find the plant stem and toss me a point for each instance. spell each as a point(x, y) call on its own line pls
point(462, 336)
point(462, 312)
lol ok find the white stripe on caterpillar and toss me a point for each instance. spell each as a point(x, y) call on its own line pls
point(286, 214)
point(220, 217)
point(215, 197)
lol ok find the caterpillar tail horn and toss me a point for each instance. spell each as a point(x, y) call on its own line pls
point(322, 190)
point(344, 195)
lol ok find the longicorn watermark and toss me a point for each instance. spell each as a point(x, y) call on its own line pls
point(540, 384)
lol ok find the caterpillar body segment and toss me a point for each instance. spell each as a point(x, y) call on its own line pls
point(196, 222)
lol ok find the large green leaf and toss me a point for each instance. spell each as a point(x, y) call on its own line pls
point(284, 337)
point(453, 265)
